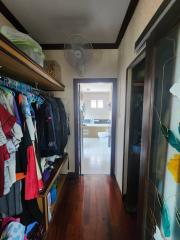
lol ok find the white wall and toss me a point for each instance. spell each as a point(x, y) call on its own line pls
point(104, 65)
point(143, 13)
point(96, 113)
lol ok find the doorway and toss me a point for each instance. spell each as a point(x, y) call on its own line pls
point(133, 129)
point(95, 120)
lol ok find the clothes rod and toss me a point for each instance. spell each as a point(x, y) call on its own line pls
point(22, 87)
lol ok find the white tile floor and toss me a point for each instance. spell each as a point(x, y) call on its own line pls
point(95, 156)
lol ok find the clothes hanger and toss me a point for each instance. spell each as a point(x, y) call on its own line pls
point(7, 90)
point(26, 90)
point(39, 99)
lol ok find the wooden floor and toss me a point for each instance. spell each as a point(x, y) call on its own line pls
point(92, 209)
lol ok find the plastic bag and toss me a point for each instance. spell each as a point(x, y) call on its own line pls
point(25, 43)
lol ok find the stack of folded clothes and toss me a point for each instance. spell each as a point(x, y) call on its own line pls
point(48, 164)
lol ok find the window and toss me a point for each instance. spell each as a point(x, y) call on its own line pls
point(97, 104)
point(100, 104)
point(93, 104)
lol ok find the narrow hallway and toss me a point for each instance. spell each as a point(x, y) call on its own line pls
point(91, 209)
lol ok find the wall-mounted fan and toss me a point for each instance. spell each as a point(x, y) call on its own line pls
point(78, 53)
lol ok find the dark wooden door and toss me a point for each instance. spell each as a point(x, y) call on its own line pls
point(77, 128)
point(159, 195)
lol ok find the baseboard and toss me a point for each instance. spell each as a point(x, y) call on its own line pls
point(72, 175)
point(117, 185)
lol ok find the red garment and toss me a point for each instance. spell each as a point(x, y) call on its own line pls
point(4, 155)
point(31, 180)
point(7, 121)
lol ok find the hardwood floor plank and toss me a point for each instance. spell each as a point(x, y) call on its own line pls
point(92, 209)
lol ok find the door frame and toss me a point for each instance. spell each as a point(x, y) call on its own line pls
point(134, 63)
point(76, 82)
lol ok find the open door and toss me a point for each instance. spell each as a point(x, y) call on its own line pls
point(95, 125)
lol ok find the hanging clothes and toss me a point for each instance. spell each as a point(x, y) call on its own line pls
point(7, 100)
point(31, 182)
point(10, 167)
point(7, 122)
point(52, 128)
point(4, 156)
point(10, 204)
point(21, 154)
point(29, 131)
point(64, 125)
point(33, 174)
point(46, 130)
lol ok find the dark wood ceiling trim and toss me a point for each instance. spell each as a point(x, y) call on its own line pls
point(144, 35)
point(127, 19)
point(5, 11)
point(94, 45)
point(52, 46)
point(104, 45)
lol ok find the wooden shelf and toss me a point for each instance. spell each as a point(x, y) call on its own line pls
point(55, 174)
point(60, 186)
point(43, 194)
point(16, 64)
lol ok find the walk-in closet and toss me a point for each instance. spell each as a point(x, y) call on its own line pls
point(90, 120)
point(34, 132)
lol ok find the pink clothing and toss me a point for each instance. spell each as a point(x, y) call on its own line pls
point(32, 184)
point(31, 181)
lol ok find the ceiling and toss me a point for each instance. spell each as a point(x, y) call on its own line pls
point(54, 21)
point(96, 87)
